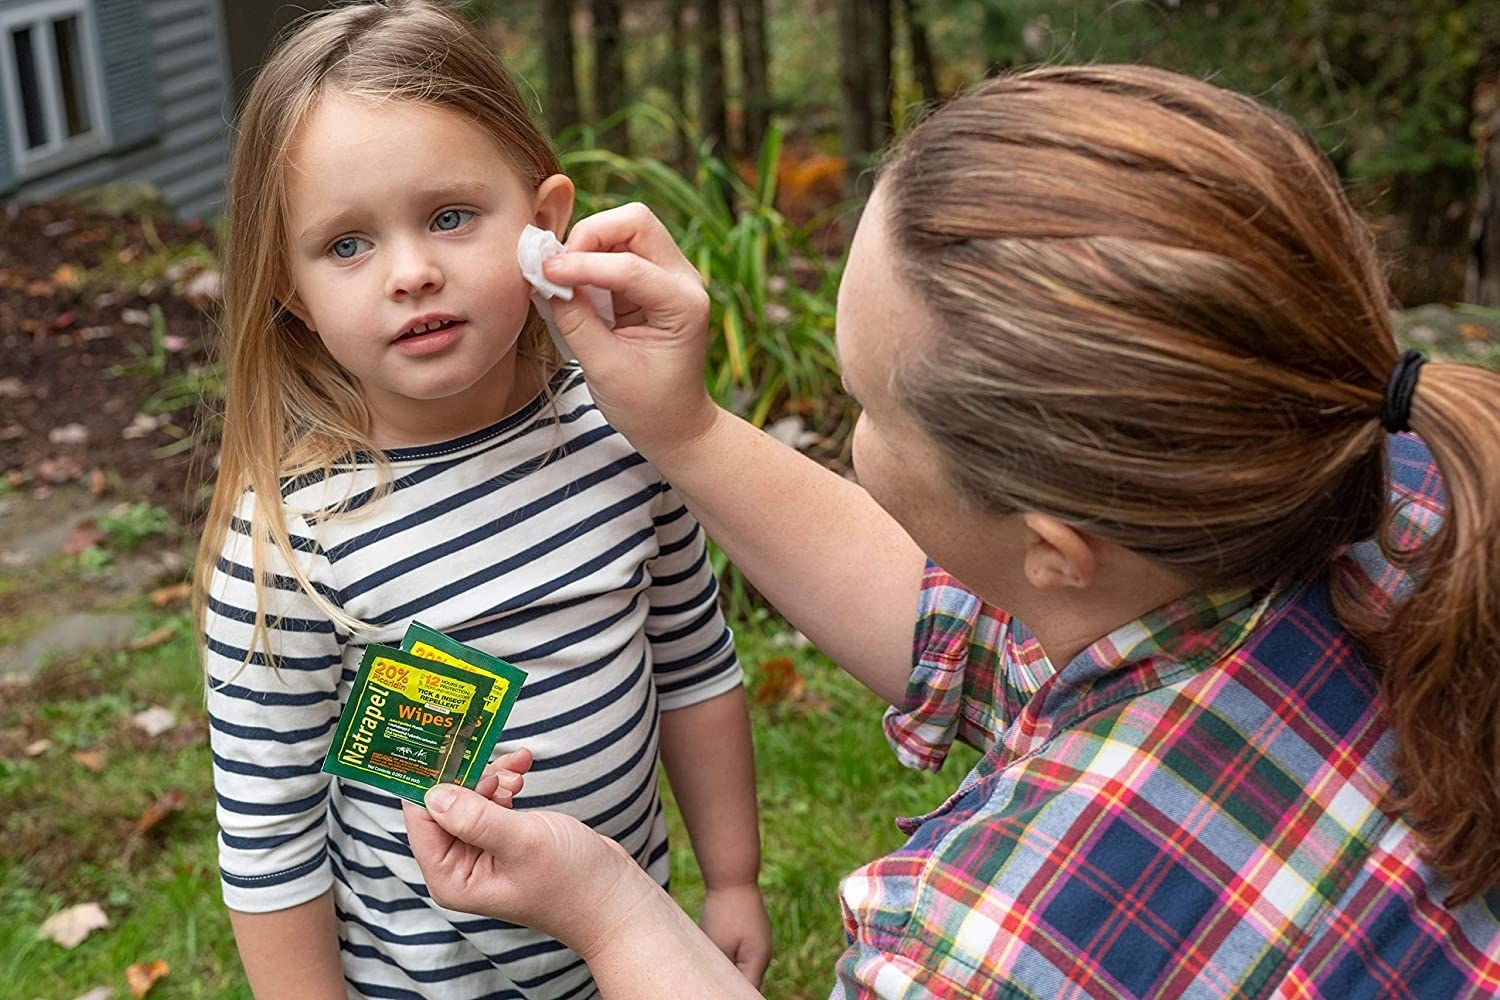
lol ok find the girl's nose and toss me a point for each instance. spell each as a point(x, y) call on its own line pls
point(412, 273)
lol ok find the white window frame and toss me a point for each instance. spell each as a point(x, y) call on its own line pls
point(60, 148)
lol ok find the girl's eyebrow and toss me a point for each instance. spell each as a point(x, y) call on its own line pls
point(448, 190)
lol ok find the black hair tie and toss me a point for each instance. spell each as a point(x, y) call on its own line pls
point(1395, 412)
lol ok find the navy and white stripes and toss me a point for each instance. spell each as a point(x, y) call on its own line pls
point(582, 567)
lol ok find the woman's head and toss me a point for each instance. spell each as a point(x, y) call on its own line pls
point(1144, 308)
point(395, 59)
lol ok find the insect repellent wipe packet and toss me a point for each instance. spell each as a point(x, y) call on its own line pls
point(408, 722)
point(433, 645)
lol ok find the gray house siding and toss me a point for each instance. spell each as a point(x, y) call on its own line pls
point(167, 112)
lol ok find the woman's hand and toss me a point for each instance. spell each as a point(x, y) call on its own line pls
point(646, 375)
point(734, 918)
point(541, 869)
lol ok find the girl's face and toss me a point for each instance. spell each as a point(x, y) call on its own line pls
point(402, 223)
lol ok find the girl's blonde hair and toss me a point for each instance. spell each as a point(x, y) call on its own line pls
point(1160, 320)
point(289, 408)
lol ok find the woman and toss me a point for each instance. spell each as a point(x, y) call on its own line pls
point(1126, 368)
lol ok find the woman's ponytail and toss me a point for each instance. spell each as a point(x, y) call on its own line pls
point(1440, 649)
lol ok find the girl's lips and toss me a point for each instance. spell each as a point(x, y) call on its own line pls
point(418, 344)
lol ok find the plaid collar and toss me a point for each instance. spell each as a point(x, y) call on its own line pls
point(1150, 652)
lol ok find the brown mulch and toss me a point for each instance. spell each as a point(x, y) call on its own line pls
point(76, 290)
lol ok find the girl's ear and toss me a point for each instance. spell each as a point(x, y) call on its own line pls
point(553, 206)
point(293, 305)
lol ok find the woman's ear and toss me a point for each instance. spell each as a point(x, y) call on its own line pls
point(553, 206)
point(1057, 554)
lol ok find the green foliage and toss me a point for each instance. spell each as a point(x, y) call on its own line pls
point(772, 295)
point(1384, 84)
point(130, 527)
point(151, 362)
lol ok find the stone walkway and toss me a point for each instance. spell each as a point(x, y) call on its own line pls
point(52, 605)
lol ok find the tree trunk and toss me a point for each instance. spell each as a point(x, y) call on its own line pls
point(750, 16)
point(1482, 286)
point(712, 116)
point(879, 28)
point(677, 74)
point(610, 89)
point(856, 127)
point(922, 65)
point(557, 52)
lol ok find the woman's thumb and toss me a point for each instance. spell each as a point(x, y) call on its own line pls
point(471, 817)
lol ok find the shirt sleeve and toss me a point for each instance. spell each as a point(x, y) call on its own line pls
point(269, 729)
point(954, 688)
point(692, 649)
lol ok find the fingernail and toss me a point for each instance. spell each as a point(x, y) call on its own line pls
point(440, 797)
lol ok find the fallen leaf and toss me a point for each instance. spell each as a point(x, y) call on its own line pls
point(69, 927)
point(85, 535)
point(152, 639)
point(64, 320)
point(165, 597)
point(74, 433)
point(38, 747)
point(11, 432)
point(11, 388)
point(779, 681)
point(141, 425)
point(204, 289)
point(154, 720)
point(136, 317)
point(141, 977)
point(165, 805)
point(59, 470)
point(97, 483)
point(1474, 331)
point(97, 993)
point(66, 275)
point(92, 760)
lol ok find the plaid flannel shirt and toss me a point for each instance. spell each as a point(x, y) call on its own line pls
point(1199, 805)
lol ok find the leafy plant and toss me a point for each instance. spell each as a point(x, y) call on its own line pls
point(772, 294)
point(130, 527)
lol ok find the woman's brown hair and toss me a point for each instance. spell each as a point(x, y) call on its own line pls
point(290, 408)
point(1176, 336)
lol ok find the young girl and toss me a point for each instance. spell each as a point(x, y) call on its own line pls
point(402, 442)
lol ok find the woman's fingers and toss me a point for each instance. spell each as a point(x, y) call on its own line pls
point(464, 814)
point(515, 761)
point(631, 227)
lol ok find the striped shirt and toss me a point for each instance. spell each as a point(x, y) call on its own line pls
point(582, 568)
point(1199, 805)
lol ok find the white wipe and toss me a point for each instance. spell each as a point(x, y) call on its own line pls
point(536, 246)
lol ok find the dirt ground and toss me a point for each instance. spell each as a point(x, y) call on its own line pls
point(92, 388)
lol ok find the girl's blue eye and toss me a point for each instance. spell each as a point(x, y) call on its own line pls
point(347, 247)
point(451, 219)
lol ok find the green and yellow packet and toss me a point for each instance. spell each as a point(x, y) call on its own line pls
point(408, 722)
point(427, 713)
point(433, 645)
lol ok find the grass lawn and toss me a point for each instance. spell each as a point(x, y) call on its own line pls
point(829, 788)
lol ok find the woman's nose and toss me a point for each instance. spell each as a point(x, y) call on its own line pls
point(413, 272)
